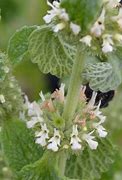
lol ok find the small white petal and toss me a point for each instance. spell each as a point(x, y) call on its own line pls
point(32, 122)
point(87, 40)
point(75, 145)
point(107, 48)
point(92, 100)
point(107, 43)
point(53, 146)
point(41, 140)
point(48, 18)
point(42, 136)
point(90, 140)
point(58, 27)
point(101, 131)
point(75, 28)
point(75, 140)
point(64, 15)
point(99, 27)
point(54, 142)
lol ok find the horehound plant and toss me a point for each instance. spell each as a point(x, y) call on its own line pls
point(62, 136)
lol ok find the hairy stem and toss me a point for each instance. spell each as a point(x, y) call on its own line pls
point(72, 100)
point(74, 88)
point(62, 163)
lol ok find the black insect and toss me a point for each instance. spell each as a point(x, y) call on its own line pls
point(104, 97)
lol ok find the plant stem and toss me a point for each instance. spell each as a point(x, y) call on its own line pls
point(74, 88)
point(62, 162)
point(72, 100)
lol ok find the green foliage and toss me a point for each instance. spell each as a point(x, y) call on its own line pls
point(51, 52)
point(44, 169)
point(18, 44)
point(90, 164)
point(102, 76)
point(18, 144)
point(9, 89)
point(82, 12)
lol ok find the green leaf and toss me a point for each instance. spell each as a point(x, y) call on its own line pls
point(91, 163)
point(51, 52)
point(43, 169)
point(102, 76)
point(18, 145)
point(82, 12)
point(18, 44)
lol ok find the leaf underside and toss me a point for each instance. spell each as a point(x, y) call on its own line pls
point(102, 76)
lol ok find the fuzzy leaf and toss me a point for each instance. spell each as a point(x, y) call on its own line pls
point(43, 169)
point(82, 12)
point(18, 44)
point(18, 145)
point(91, 163)
point(102, 76)
point(50, 51)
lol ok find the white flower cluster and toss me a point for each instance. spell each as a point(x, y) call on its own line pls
point(54, 140)
point(36, 117)
point(89, 137)
point(60, 13)
point(99, 28)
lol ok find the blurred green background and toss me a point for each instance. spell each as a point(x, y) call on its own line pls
point(17, 13)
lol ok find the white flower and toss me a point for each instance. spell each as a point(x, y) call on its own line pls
point(33, 121)
point(75, 140)
point(33, 108)
point(42, 136)
point(118, 37)
point(91, 104)
point(56, 11)
point(99, 27)
point(98, 113)
point(54, 142)
point(107, 45)
point(59, 94)
point(87, 40)
point(75, 28)
point(59, 27)
point(95, 110)
point(2, 98)
point(90, 140)
point(118, 18)
point(100, 129)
